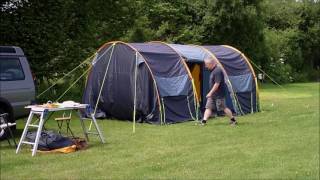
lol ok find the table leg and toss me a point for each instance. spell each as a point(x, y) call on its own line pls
point(25, 130)
point(35, 146)
point(83, 126)
point(97, 128)
point(68, 128)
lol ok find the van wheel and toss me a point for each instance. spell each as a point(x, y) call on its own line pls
point(4, 132)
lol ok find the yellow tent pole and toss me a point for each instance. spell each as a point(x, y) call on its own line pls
point(187, 69)
point(135, 94)
point(225, 73)
point(104, 78)
point(153, 78)
point(252, 71)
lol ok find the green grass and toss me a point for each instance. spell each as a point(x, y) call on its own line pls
point(281, 142)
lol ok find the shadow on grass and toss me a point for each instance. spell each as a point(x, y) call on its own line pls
point(5, 146)
point(17, 133)
point(226, 124)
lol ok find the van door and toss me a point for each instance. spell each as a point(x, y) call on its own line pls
point(16, 83)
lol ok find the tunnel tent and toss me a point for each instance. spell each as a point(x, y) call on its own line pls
point(162, 83)
point(145, 81)
point(241, 82)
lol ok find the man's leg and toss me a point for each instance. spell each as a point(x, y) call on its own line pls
point(207, 114)
point(208, 111)
point(228, 112)
point(221, 105)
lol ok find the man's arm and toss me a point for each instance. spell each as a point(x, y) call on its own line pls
point(213, 89)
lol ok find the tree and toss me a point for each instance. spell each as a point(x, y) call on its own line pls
point(56, 33)
point(295, 26)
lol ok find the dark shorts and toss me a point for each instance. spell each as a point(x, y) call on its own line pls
point(216, 104)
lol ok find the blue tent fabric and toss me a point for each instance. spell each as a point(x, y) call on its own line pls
point(232, 61)
point(191, 53)
point(245, 100)
point(160, 71)
point(164, 90)
point(116, 99)
point(170, 74)
point(242, 83)
point(163, 61)
point(102, 54)
point(174, 86)
point(197, 54)
point(174, 108)
point(239, 75)
point(236, 68)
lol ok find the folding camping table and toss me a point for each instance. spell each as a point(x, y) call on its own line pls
point(43, 111)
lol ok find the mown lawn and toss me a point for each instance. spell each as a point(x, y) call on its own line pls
point(281, 142)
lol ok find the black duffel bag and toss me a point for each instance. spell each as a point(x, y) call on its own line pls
point(49, 140)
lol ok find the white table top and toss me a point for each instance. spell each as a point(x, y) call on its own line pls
point(60, 108)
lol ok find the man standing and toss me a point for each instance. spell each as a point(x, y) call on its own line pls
point(216, 96)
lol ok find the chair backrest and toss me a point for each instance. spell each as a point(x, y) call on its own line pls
point(4, 118)
point(3, 123)
point(65, 114)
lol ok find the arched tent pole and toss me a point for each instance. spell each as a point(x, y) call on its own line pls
point(225, 72)
point(189, 74)
point(90, 72)
point(91, 64)
point(153, 78)
point(135, 93)
point(252, 71)
point(181, 59)
point(106, 44)
point(104, 78)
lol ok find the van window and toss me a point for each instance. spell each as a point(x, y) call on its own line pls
point(10, 69)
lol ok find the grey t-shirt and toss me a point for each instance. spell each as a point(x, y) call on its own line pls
point(217, 76)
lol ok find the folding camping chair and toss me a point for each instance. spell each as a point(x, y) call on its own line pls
point(67, 119)
point(6, 126)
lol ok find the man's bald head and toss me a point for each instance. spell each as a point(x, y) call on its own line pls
point(210, 63)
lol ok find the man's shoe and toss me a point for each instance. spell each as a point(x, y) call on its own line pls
point(203, 122)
